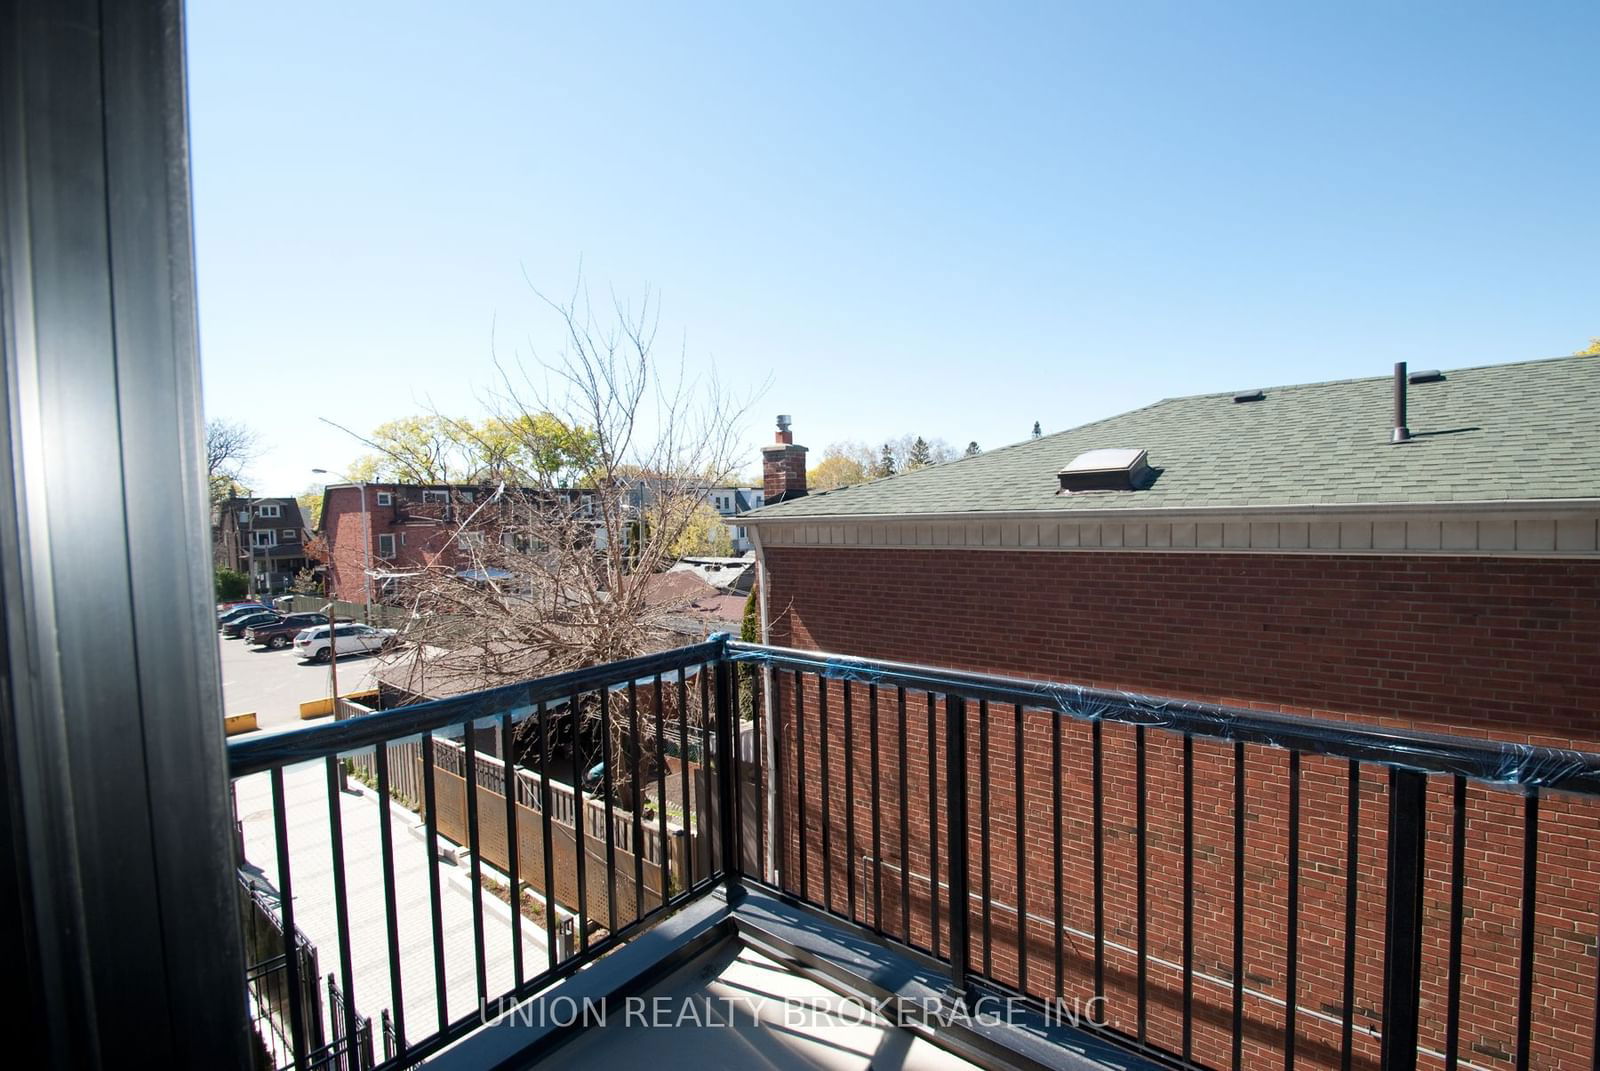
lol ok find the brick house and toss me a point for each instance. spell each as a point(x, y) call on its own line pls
point(264, 538)
point(378, 533)
point(1416, 551)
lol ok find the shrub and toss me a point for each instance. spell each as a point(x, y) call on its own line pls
point(231, 584)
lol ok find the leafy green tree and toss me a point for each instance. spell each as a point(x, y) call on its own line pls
point(704, 534)
point(919, 456)
point(906, 451)
point(311, 506)
point(842, 464)
point(533, 449)
point(306, 582)
point(886, 462)
point(525, 448)
point(231, 584)
point(749, 632)
point(750, 627)
point(972, 449)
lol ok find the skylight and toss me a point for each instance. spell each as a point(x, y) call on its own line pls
point(1115, 469)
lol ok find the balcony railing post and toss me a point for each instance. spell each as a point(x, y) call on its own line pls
point(1403, 920)
point(955, 737)
point(726, 742)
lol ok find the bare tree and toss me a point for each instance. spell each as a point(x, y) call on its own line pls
point(229, 449)
point(593, 465)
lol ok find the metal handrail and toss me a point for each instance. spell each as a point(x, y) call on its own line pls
point(1496, 762)
point(276, 750)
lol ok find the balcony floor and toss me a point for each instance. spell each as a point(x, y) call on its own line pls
point(735, 1007)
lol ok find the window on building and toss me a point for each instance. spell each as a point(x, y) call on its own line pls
point(385, 498)
point(385, 545)
point(264, 538)
point(436, 496)
point(291, 536)
point(267, 509)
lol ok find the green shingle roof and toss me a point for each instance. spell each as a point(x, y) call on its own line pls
point(1495, 433)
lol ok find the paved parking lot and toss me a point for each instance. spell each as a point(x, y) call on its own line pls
point(275, 683)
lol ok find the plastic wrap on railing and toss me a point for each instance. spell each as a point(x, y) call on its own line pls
point(1501, 763)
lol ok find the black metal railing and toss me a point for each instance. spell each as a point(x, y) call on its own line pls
point(612, 719)
point(1217, 886)
point(1206, 885)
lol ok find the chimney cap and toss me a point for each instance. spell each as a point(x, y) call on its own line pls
point(783, 421)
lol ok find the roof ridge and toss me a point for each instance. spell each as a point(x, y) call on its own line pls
point(1369, 379)
point(945, 465)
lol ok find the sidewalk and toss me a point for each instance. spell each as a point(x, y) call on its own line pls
point(311, 871)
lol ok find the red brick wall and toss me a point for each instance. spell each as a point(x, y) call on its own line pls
point(415, 544)
point(783, 472)
point(1483, 646)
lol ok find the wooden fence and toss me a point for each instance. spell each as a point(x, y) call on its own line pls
point(449, 760)
point(405, 759)
point(450, 755)
point(382, 616)
point(613, 896)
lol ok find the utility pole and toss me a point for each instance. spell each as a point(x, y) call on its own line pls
point(333, 659)
point(333, 684)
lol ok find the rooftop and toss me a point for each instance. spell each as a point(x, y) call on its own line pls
point(1489, 434)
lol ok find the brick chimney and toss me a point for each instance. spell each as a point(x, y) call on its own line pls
point(783, 466)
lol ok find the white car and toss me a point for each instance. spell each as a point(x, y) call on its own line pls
point(352, 639)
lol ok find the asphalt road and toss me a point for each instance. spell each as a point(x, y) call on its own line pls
point(275, 683)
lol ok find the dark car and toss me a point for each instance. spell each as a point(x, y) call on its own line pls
point(236, 627)
point(234, 613)
point(280, 633)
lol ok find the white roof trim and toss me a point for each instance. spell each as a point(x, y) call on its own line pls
point(1550, 535)
point(1540, 506)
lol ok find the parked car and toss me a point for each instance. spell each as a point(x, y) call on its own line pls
point(280, 634)
point(235, 628)
point(243, 610)
point(352, 639)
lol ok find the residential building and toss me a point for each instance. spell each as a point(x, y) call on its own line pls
point(730, 502)
point(377, 534)
point(264, 538)
point(1415, 551)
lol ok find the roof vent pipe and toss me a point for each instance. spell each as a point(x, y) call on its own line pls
point(1401, 432)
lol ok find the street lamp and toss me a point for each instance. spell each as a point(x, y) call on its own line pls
point(366, 539)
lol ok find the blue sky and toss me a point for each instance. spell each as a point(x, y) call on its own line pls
point(951, 220)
